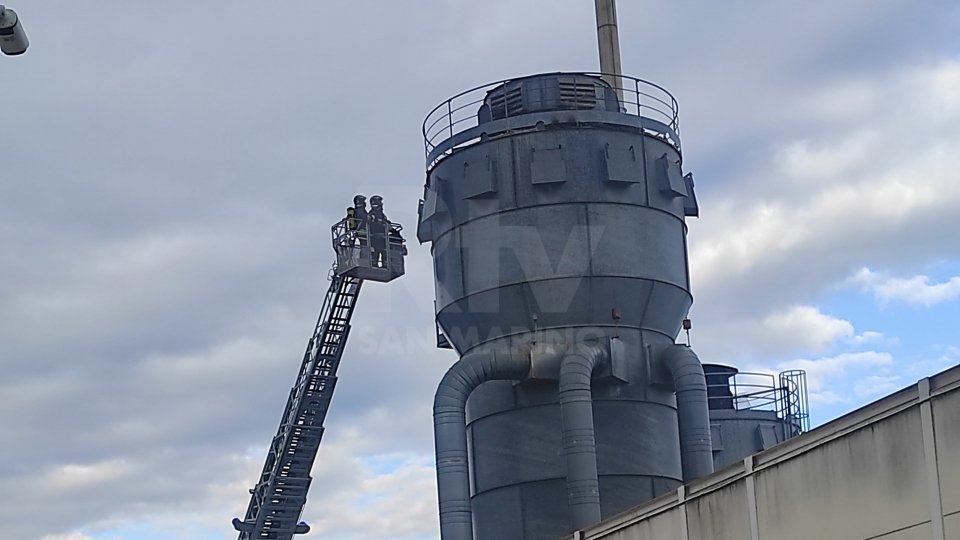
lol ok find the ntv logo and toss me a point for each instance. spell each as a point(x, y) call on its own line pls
point(473, 260)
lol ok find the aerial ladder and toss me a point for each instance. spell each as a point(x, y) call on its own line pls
point(366, 250)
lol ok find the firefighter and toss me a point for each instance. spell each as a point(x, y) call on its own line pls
point(378, 226)
point(357, 219)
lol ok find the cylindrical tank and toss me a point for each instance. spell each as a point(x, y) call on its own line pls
point(750, 412)
point(556, 216)
point(518, 482)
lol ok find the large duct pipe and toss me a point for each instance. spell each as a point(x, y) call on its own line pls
point(693, 413)
point(608, 41)
point(450, 431)
point(579, 439)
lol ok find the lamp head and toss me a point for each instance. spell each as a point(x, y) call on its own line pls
point(13, 40)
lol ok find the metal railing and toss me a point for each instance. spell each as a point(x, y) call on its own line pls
point(368, 243)
point(636, 97)
point(785, 394)
point(793, 385)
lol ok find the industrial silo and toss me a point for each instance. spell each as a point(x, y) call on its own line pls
point(751, 412)
point(555, 207)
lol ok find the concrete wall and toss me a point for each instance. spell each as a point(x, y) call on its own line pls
point(888, 471)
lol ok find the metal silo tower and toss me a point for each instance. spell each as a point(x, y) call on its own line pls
point(555, 206)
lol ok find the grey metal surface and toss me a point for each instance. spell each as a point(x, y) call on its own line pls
point(737, 434)
point(557, 222)
point(693, 414)
point(458, 121)
point(449, 425)
point(608, 41)
point(750, 412)
point(568, 248)
point(579, 439)
point(888, 470)
point(517, 465)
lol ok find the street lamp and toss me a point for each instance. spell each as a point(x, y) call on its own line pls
point(13, 40)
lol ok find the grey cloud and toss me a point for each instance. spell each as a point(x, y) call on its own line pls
point(169, 171)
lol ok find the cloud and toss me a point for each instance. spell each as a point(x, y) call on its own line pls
point(760, 340)
point(166, 209)
point(397, 504)
point(806, 216)
point(799, 214)
point(876, 385)
point(807, 327)
point(873, 338)
point(917, 290)
point(77, 477)
point(826, 376)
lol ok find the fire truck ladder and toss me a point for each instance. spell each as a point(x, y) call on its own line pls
point(278, 498)
point(374, 252)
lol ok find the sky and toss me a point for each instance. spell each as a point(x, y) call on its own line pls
point(169, 172)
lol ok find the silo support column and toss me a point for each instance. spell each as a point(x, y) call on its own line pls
point(450, 432)
point(693, 413)
point(579, 439)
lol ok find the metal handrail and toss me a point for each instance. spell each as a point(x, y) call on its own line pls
point(784, 394)
point(637, 97)
point(353, 243)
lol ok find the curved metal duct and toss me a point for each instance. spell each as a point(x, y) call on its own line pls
point(450, 431)
point(693, 412)
point(579, 439)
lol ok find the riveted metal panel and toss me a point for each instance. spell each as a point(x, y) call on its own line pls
point(548, 166)
point(432, 205)
point(523, 445)
point(498, 514)
point(479, 178)
point(690, 206)
point(622, 164)
point(525, 245)
point(448, 268)
point(626, 241)
point(670, 177)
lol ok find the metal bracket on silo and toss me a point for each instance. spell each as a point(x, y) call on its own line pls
point(690, 206)
point(617, 368)
point(479, 178)
point(669, 177)
point(430, 209)
point(547, 165)
point(622, 165)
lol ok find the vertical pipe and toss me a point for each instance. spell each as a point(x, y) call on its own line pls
point(450, 432)
point(608, 41)
point(579, 438)
point(693, 412)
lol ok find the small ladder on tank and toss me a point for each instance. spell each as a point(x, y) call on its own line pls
point(278, 498)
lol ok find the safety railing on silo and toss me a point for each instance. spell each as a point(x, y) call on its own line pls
point(784, 394)
point(458, 121)
point(796, 410)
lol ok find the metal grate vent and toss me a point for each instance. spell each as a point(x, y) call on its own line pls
point(508, 102)
point(554, 92)
point(578, 95)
